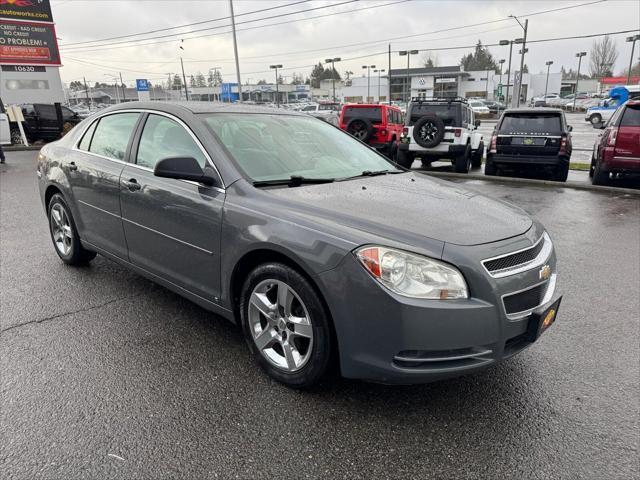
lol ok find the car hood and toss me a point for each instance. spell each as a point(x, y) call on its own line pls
point(405, 206)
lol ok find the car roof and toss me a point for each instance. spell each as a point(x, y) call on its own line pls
point(202, 107)
point(533, 110)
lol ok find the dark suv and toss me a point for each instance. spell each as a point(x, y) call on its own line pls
point(41, 122)
point(531, 139)
point(378, 125)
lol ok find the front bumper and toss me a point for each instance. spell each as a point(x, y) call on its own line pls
point(388, 338)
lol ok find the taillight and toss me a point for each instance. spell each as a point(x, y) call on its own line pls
point(563, 144)
point(494, 144)
point(457, 132)
point(613, 135)
point(405, 131)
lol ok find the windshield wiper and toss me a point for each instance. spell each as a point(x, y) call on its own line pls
point(292, 181)
point(374, 173)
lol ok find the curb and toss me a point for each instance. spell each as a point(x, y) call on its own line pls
point(21, 148)
point(531, 181)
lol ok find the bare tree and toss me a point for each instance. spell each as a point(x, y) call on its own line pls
point(604, 54)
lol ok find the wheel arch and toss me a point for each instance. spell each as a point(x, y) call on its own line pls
point(50, 191)
point(261, 255)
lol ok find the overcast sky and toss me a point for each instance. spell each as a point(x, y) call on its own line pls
point(290, 43)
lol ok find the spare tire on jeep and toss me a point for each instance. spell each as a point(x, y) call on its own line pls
point(428, 131)
point(361, 128)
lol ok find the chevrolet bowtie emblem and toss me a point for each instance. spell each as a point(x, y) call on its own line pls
point(545, 272)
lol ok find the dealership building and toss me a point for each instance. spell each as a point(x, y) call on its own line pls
point(29, 56)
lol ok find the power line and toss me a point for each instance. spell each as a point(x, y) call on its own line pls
point(184, 25)
point(173, 35)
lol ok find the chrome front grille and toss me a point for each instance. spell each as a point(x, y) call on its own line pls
point(520, 260)
point(521, 303)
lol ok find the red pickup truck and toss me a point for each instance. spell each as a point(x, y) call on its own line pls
point(617, 150)
point(377, 125)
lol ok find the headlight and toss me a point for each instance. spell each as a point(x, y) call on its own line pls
point(413, 275)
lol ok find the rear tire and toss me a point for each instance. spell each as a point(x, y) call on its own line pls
point(600, 177)
point(476, 159)
point(392, 150)
point(292, 339)
point(490, 169)
point(463, 162)
point(64, 233)
point(404, 158)
point(561, 173)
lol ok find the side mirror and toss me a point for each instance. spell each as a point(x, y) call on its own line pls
point(570, 128)
point(477, 123)
point(183, 168)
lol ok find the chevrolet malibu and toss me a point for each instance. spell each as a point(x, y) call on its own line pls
point(325, 252)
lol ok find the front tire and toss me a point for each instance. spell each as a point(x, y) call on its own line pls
point(463, 162)
point(286, 325)
point(64, 233)
point(476, 159)
point(404, 158)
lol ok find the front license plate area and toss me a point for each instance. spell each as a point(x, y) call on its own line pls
point(540, 322)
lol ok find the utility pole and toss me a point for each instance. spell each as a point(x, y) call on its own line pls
point(575, 95)
point(276, 67)
point(184, 80)
point(633, 41)
point(546, 85)
point(486, 93)
point(509, 72)
point(389, 70)
point(333, 72)
point(86, 92)
point(235, 51)
point(124, 95)
point(522, 52)
point(501, 62)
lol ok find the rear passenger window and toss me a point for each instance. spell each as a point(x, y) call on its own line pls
point(631, 117)
point(112, 135)
point(86, 139)
point(164, 138)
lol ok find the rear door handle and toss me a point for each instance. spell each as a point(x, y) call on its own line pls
point(73, 167)
point(132, 184)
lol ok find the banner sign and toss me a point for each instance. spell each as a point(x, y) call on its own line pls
point(36, 10)
point(28, 43)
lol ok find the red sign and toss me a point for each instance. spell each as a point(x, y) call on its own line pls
point(619, 80)
point(28, 43)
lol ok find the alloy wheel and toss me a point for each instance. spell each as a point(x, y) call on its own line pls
point(428, 131)
point(61, 229)
point(280, 325)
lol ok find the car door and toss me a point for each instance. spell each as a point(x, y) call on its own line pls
point(172, 227)
point(628, 138)
point(47, 119)
point(93, 169)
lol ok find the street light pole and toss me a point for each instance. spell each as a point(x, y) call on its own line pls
point(184, 80)
point(633, 41)
point(501, 62)
point(408, 53)
point(522, 52)
point(509, 73)
point(546, 85)
point(575, 95)
point(378, 71)
point(368, 68)
point(276, 67)
point(333, 74)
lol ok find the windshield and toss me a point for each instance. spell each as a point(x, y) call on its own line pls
point(273, 147)
point(531, 123)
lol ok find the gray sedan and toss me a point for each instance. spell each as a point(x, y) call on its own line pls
point(326, 253)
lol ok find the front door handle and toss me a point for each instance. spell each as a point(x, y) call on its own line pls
point(73, 167)
point(132, 184)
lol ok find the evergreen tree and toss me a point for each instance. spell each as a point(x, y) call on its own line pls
point(200, 81)
point(192, 81)
point(177, 82)
point(480, 59)
point(316, 75)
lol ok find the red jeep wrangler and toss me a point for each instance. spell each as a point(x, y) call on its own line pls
point(378, 125)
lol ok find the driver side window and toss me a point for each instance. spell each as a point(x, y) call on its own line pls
point(163, 137)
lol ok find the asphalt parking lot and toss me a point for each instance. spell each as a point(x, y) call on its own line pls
point(105, 375)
